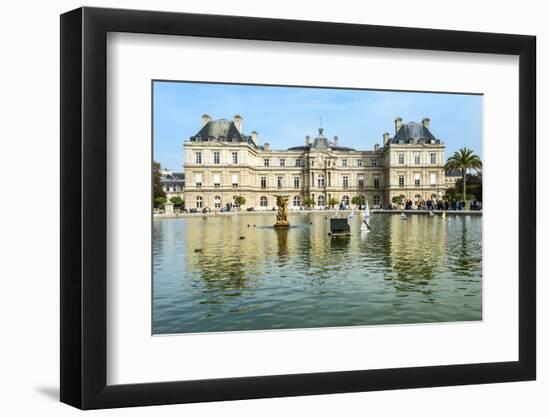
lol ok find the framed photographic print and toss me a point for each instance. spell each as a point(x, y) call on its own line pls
point(257, 208)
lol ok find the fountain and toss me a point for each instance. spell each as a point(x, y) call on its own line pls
point(282, 213)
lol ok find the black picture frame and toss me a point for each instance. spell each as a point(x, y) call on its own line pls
point(84, 207)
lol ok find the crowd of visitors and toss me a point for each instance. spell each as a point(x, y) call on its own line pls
point(439, 204)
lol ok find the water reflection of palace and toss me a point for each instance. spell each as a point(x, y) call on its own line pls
point(416, 247)
point(239, 273)
point(232, 252)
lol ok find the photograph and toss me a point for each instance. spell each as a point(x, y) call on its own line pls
point(303, 207)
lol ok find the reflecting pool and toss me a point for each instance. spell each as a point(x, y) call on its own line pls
point(229, 273)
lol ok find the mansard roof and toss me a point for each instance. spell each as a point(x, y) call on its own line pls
point(415, 132)
point(221, 130)
point(173, 176)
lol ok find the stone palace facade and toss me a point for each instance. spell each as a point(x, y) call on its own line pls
point(221, 162)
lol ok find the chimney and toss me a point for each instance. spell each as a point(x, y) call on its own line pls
point(308, 141)
point(335, 141)
point(238, 120)
point(426, 122)
point(386, 137)
point(205, 119)
point(398, 123)
point(254, 135)
point(376, 147)
point(266, 146)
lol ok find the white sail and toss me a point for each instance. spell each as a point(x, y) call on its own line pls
point(366, 212)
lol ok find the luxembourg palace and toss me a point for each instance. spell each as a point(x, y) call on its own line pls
point(221, 162)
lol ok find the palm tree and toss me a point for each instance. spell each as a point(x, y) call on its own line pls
point(332, 202)
point(463, 159)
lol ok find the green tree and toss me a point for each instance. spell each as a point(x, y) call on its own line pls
point(464, 159)
point(176, 201)
point(157, 186)
point(160, 201)
point(358, 200)
point(239, 200)
point(332, 202)
point(308, 202)
point(474, 185)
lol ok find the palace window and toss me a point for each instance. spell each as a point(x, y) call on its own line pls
point(321, 201)
point(296, 182)
point(235, 157)
point(263, 182)
point(234, 180)
point(321, 181)
point(344, 162)
point(198, 157)
point(417, 179)
point(361, 181)
point(376, 182)
point(345, 201)
point(401, 180)
point(263, 201)
point(199, 202)
point(216, 179)
point(374, 162)
point(433, 178)
point(279, 182)
point(401, 159)
point(376, 200)
point(198, 180)
point(282, 162)
point(417, 159)
point(432, 158)
point(296, 201)
point(345, 181)
point(266, 162)
point(298, 162)
point(359, 162)
point(216, 157)
point(217, 202)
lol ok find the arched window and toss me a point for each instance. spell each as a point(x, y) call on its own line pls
point(361, 200)
point(263, 201)
point(199, 201)
point(296, 201)
point(376, 200)
point(217, 201)
point(321, 181)
point(321, 201)
point(345, 200)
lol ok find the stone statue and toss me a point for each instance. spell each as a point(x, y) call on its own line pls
point(282, 213)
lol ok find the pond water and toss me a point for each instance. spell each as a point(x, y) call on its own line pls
point(230, 273)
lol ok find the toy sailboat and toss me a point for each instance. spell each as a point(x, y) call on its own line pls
point(366, 212)
point(365, 227)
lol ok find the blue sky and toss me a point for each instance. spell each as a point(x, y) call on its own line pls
point(283, 116)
